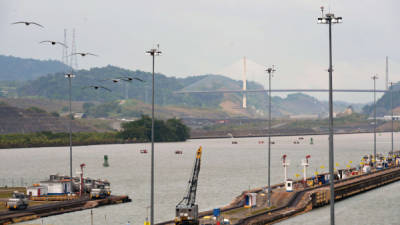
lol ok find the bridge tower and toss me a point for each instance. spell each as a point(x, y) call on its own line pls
point(244, 83)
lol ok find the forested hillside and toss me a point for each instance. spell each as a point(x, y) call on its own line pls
point(55, 86)
point(19, 69)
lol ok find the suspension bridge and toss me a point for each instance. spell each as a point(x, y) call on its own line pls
point(244, 91)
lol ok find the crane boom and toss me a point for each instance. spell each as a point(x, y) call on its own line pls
point(187, 210)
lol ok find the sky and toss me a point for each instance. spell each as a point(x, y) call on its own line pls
point(213, 36)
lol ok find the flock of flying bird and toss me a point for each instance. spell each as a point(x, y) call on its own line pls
point(83, 54)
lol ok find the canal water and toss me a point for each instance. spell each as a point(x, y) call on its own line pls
point(226, 170)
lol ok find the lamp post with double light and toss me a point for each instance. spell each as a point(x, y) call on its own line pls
point(374, 78)
point(153, 53)
point(330, 18)
point(270, 72)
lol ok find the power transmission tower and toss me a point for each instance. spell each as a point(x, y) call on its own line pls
point(64, 57)
point(73, 58)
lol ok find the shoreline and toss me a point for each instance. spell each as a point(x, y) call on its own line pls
point(195, 138)
point(287, 134)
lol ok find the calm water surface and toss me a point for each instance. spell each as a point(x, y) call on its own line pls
point(226, 171)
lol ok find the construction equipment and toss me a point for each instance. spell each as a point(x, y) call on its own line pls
point(98, 192)
point(186, 210)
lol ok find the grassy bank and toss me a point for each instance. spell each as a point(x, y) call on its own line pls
point(49, 139)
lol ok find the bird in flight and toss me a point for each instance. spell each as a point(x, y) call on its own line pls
point(28, 23)
point(54, 43)
point(83, 54)
point(96, 87)
point(128, 79)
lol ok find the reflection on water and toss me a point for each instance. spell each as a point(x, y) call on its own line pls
point(226, 171)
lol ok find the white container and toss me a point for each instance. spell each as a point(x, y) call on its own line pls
point(251, 200)
point(289, 185)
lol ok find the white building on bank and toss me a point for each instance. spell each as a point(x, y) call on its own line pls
point(57, 187)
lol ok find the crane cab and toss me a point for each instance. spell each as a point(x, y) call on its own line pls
point(186, 215)
point(187, 210)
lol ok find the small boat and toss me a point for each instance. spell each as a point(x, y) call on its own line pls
point(143, 151)
point(178, 152)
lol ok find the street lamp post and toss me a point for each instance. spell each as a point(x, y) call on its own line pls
point(374, 78)
point(330, 19)
point(152, 52)
point(270, 72)
point(69, 76)
point(391, 112)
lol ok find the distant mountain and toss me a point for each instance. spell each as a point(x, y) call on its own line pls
point(55, 86)
point(298, 103)
point(19, 69)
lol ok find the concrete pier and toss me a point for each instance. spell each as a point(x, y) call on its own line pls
point(301, 200)
point(35, 212)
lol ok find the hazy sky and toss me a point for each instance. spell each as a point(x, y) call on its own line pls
point(211, 36)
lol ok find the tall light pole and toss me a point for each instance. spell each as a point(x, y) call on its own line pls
point(391, 112)
point(69, 76)
point(152, 52)
point(374, 78)
point(330, 19)
point(270, 72)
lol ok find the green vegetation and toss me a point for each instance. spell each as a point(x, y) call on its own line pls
point(47, 138)
point(136, 131)
point(170, 130)
point(35, 110)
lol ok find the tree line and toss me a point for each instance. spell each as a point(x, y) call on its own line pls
point(132, 132)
